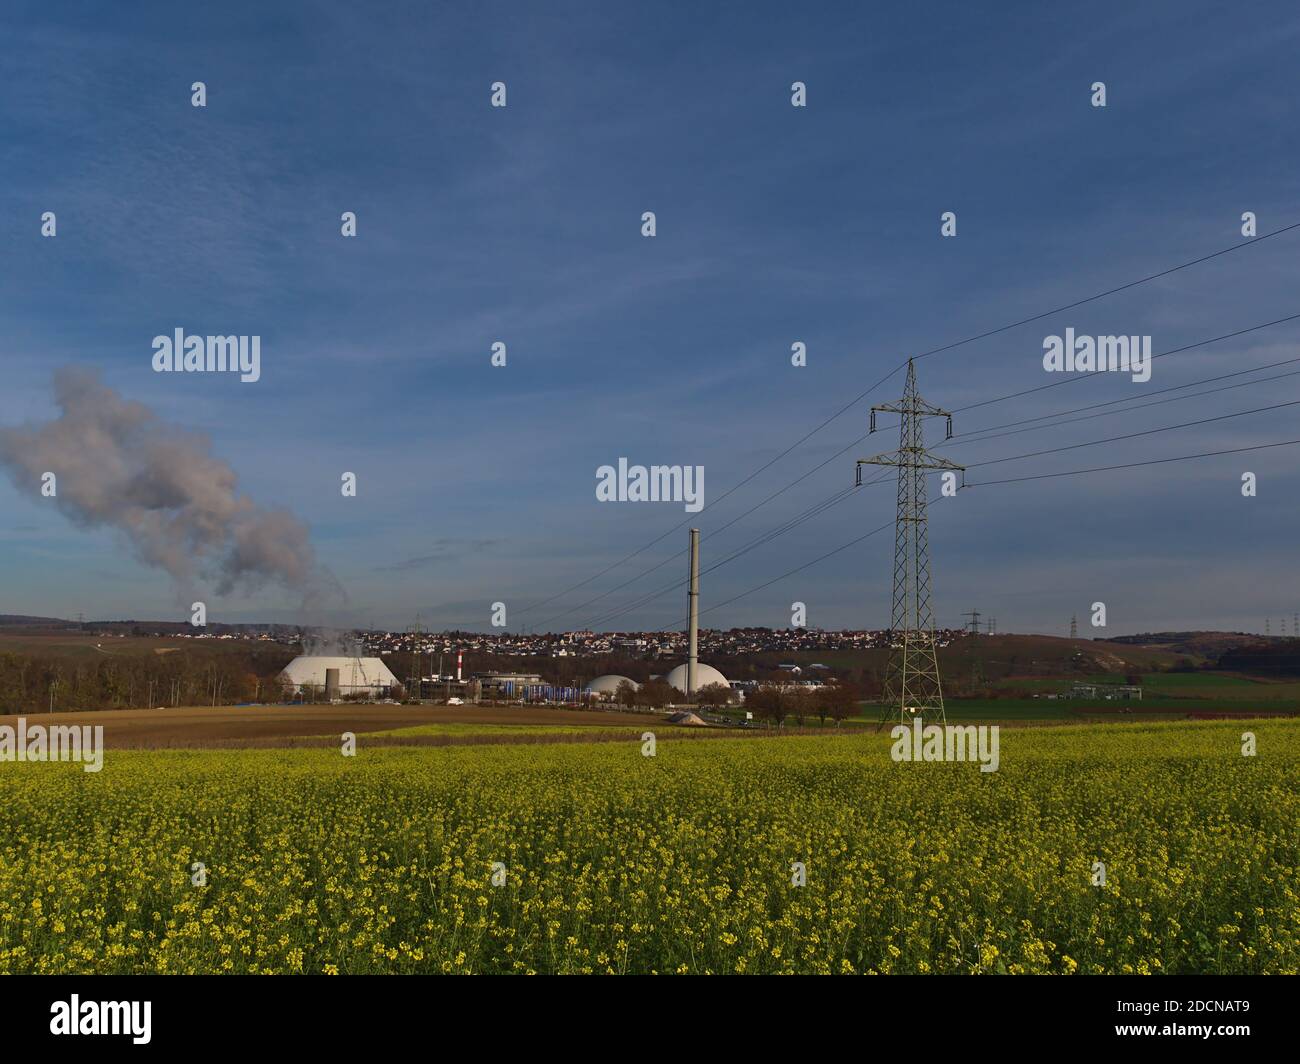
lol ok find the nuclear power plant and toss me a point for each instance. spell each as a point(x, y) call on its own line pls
point(339, 677)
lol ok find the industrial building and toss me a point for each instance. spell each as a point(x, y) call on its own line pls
point(339, 677)
point(505, 685)
point(704, 676)
point(1108, 691)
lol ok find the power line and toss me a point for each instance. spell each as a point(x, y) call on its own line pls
point(767, 537)
point(978, 439)
point(988, 483)
point(767, 465)
point(714, 532)
point(813, 511)
point(1133, 435)
point(934, 351)
point(801, 568)
point(840, 496)
point(1132, 465)
point(979, 435)
point(1110, 292)
point(1162, 354)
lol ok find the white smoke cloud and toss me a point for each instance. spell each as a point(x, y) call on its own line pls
point(121, 466)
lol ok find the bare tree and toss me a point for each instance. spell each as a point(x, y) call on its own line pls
point(769, 702)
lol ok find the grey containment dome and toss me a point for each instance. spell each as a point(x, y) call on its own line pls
point(704, 676)
point(608, 685)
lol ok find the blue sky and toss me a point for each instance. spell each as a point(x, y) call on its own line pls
point(775, 224)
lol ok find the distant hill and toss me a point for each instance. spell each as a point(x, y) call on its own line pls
point(997, 657)
point(1208, 645)
point(1003, 656)
point(133, 627)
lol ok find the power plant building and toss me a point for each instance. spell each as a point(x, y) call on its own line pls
point(704, 676)
point(341, 676)
point(607, 686)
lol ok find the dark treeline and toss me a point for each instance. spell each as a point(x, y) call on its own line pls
point(33, 683)
point(1264, 659)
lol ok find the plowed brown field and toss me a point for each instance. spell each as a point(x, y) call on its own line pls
point(218, 726)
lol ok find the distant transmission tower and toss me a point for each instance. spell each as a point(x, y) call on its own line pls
point(912, 684)
point(977, 659)
point(1074, 627)
point(993, 626)
point(416, 689)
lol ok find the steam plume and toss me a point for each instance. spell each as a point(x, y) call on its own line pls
point(119, 465)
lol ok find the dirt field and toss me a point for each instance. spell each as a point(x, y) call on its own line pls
point(205, 726)
point(84, 648)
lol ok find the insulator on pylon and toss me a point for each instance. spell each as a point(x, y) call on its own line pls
point(949, 436)
point(857, 478)
point(873, 422)
point(963, 478)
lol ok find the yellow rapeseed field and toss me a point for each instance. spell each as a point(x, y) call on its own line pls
point(593, 858)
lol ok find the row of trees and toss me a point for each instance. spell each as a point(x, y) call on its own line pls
point(778, 703)
point(32, 683)
point(653, 694)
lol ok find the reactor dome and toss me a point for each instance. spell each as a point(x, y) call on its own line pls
point(608, 685)
point(360, 676)
point(704, 676)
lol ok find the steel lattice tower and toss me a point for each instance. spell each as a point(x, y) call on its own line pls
point(912, 684)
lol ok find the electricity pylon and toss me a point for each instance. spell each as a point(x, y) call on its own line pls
point(912, 684)
point(977, 658)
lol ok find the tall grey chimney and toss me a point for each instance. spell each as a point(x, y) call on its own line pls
point(693, 597)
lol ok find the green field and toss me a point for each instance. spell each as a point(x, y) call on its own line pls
point(1075, 709)
point(1010, 710)
point(1183, 680)
point(1159, 682)
point(1162, 692)
point(616, 862)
